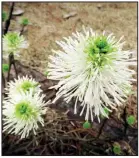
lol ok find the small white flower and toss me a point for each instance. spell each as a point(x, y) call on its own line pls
point(24, 84)
point(94, 69)
point(12, 43)
point(23, 113)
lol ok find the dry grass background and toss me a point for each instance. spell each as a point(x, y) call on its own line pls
point(48, 25)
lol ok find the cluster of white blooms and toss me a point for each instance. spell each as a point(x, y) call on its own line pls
point(23, 107)
point(94, 69)
point(90, 67)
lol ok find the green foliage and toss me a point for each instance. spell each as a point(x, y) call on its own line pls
point(5, 67)
point(131, 120)
point(24, 21)
point(87, 125)
point(117, 149)
point(4, 16)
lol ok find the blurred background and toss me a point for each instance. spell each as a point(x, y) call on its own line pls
point(52, 21)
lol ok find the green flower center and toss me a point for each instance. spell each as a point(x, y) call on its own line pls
point(23, 110)
point(13, 38)
point(102, 44)
point(98, 50)
point(27, 85)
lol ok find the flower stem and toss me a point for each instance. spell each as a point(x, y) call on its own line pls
point(11, 62)
point(3, 80)
point(22, 30)
point(7, 23)
point(4, 85)
point(125, 122)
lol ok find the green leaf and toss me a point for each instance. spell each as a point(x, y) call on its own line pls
point(24, 21)
point(87, 125)
point(4, 16)
point(5, 67)
point(106, 111)
point(131, 120)
point(117, 149)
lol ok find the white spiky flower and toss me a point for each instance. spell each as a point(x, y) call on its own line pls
point(13, 42)
point(92, 68)
point(20, 84)
point(23, 113)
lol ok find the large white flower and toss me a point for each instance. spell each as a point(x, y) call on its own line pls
point(24, 84)
point(94, 69)
point(12, 43)
point(23, 113)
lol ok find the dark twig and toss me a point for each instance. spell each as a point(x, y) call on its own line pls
point(3, 80)
point(22, 30)
point(15, 67)
point(4, 84)
point(101, 128)
point(8, 78)
point(11, 62)
point(125, 123)
point(7, 23)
